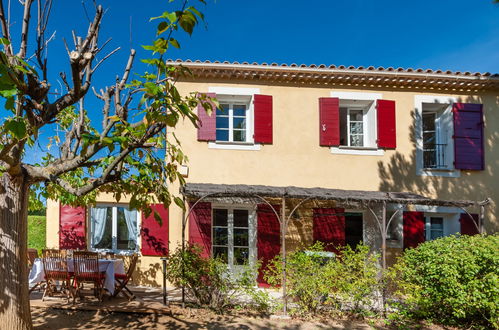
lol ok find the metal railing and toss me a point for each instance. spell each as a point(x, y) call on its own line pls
point(434, 155)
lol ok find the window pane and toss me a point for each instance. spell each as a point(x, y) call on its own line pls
point(220, 217)
point(222, 122)
point(356, 128)
point(356, 140)
point(239, 135)
point(428, 122)
point(239, 123)
point(240, 218)
point(222, 135)
point(223, 110)
point(241, 237)
point(220, 236)
point(356, 115)
point(221, 253)
point(241, 256)
point(437, 227)
point(127, 229)
point(353, 229)
point(239, 110)
point(102, 227)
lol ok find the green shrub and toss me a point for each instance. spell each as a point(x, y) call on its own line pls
point(210, 282)
point(452, 281)
point(316, 284)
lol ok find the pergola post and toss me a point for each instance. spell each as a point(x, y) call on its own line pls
point(283, 255)
point(383, 236)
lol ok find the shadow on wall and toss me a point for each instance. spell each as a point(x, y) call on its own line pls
point(399, 173)
point(148, 276)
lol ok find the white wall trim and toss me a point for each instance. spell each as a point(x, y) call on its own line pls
point(234, 146)
point(357, 151)
point(234, 90)
point(418, 107)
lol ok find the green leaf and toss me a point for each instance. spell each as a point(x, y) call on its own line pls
point(162, 27)
point(158, 218)
point(174, 43)
point(179, 202)
point(17, 127)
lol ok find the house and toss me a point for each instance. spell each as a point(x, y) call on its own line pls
point(390, 157)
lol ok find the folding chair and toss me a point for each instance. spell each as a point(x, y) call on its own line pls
point(86, 270)
point(122, 279)
point(55, 267)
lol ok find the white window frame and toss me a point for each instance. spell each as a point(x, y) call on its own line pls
point(444, 135)
point(240, 96)
point(370, 147)
point(252, 255)
point(114, 230)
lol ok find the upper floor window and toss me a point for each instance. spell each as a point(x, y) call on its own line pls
point(232, 120)
point(356, 124)
point(113, 228)
point(435, 136)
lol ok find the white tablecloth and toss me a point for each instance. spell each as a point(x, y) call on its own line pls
point(109, 266)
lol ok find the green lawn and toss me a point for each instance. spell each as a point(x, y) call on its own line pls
point(36, 232)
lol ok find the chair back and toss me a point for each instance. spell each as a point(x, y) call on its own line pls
point(55, 264)
point(32, 255)
point(131, 267)
point(86, 265)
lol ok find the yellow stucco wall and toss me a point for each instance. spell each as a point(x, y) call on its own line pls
point(295, 158)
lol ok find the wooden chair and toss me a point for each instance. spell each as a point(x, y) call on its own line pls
point(86, 270)
point(55, 267)
point(122, 279)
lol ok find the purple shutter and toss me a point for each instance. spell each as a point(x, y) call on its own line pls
point(329, 121)
point(268, 238)
point(72, 227)
point(263, 118)
point(207, 130)
point(414, 224)
point(468, 136)
point(469, 226)
point(154, 236)
point(329, 227)
point(200, 227)
point(387, 137)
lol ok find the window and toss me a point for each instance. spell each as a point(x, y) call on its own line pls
point(434, 135)
point(232, 118)
point(232, 236)
point(434, 228)
point(357, 128)
point(353, 229)
point(113, 228)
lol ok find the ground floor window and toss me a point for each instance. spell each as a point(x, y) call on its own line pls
point(434, 228)
point(232, 235)
point(353, 229)
point(113, 228)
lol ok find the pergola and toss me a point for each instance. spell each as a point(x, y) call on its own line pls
point(197, 192)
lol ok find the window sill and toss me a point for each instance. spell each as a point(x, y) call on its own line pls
point(234, 146)
point(366, 151)
point(443, 172)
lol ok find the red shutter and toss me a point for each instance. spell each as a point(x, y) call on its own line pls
point(263, 118)
point(200, 227)
point(469, 226)
point(72, 225)
point(329, 227)
point(387, 137)
point(154, 236)
point(329, 121)
point(468, 136)
point(207, 130)
point(414, 224)
point(268, 238)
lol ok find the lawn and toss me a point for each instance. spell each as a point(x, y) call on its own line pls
point(36, 232)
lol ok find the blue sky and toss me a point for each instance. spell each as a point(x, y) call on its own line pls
point(460, 35)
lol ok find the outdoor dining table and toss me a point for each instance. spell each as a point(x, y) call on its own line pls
point(109, 266)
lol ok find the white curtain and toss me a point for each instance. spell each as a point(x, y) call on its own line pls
point(98, 218)
point(131, 224)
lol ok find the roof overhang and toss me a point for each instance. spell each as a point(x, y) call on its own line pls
point(204, 190)
point(370, 77)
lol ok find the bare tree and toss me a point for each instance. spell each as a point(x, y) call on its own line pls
point(116, 154)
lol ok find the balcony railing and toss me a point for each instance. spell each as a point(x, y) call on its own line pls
point(434, 155)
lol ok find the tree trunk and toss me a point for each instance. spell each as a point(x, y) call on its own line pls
point(14, 297)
